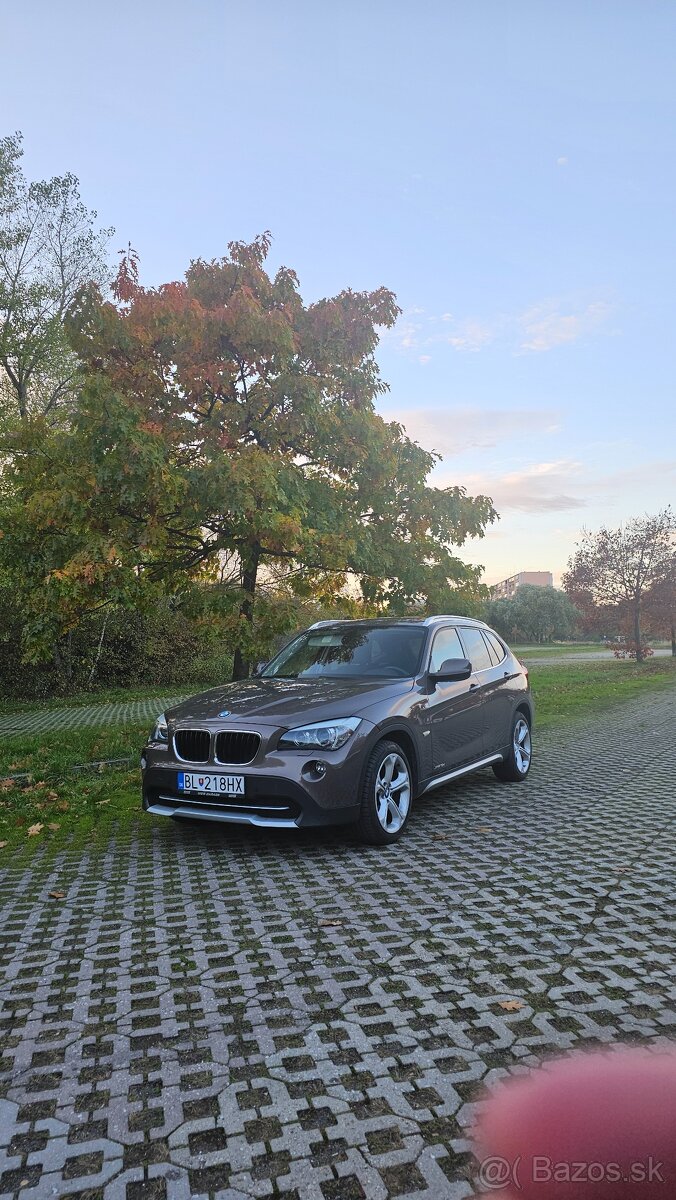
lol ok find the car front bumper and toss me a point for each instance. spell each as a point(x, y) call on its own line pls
point(281, 790)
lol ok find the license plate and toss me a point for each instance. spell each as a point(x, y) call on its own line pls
point(211, 785)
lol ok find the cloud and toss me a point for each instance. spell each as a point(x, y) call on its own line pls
point(564, 485)
point(471, 335)
point(562, 161)
point(452, 431)
point(407, 333)
point(546, 326)
point(542, 487)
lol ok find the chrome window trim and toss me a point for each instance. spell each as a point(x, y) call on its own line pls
point(435, 635)
point(482, 670)
point(485, 633)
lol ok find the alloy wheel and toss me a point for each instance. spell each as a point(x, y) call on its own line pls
point(393, 793)
point(522, 745)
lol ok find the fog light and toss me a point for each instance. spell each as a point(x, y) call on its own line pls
point(314, 770)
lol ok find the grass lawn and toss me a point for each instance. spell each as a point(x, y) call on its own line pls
point(55, 799)
point(564, 649)
point(533, 650)
point(571, 689)
point(85, 805)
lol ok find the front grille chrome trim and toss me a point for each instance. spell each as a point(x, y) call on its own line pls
point(180, 757)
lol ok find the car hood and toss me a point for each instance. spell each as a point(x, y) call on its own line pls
point(288, 702)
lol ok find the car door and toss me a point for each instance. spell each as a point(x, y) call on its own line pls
point(492, 693)
point(453, 719)
point(498, 727)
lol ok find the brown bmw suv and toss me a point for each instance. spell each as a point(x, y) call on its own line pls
point(348, 723)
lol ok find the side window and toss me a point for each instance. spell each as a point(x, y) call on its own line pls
point(477, 650)
point(446, 645)
point(497, 648)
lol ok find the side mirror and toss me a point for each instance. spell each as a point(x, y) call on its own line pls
point(452, 669)
point(260, 666)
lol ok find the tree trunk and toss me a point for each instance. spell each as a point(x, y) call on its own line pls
point(98, 652)
point(637, 632)
point(22, 398)
point(250, 561)
point(673, 638)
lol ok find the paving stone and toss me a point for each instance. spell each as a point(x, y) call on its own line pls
point(86, 716)
point(185, 1023)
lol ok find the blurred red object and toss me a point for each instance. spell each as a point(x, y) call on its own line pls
point(597, 1126)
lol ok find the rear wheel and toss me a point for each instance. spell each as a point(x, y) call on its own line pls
point(515, 767)
point(386, 795)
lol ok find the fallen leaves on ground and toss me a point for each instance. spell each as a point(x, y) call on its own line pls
point(511, 1005)
point(57, 895)
point(34, 830)
point(330, 922)
point(2, 845)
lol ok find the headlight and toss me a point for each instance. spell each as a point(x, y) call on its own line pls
point(159, 733)
point(325, 735)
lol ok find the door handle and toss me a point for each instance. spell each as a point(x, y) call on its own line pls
point(473, 687)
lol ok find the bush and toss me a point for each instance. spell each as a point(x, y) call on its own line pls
point(116, 649)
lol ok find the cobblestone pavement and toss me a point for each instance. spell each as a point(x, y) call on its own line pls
point(235, 1014)
point(44, 720)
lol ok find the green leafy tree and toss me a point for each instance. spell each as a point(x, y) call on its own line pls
point(49, 248)
point(618, 569)
point(534, 614)
point(223, 420)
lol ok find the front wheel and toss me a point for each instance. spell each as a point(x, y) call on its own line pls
point(386, 795)
point(515, 767)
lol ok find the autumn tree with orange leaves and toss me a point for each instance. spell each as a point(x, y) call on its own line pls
point(221, 418)
point(628, 572)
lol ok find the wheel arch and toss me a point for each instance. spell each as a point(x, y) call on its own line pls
point(406, 742)
point(525, 706)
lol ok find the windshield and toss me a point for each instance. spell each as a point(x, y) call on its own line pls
point(391, 652)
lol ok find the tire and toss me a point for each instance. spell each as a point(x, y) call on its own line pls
point(516, 765)
point(382, 821)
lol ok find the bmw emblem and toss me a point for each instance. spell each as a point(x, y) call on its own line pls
point(225, 713)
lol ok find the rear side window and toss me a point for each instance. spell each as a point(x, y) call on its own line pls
point(477, 650)
point(447, 644)
point(496, 647)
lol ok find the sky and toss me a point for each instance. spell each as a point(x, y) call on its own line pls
point(508, 169)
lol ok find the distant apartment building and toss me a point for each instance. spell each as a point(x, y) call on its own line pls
point(507, 587)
